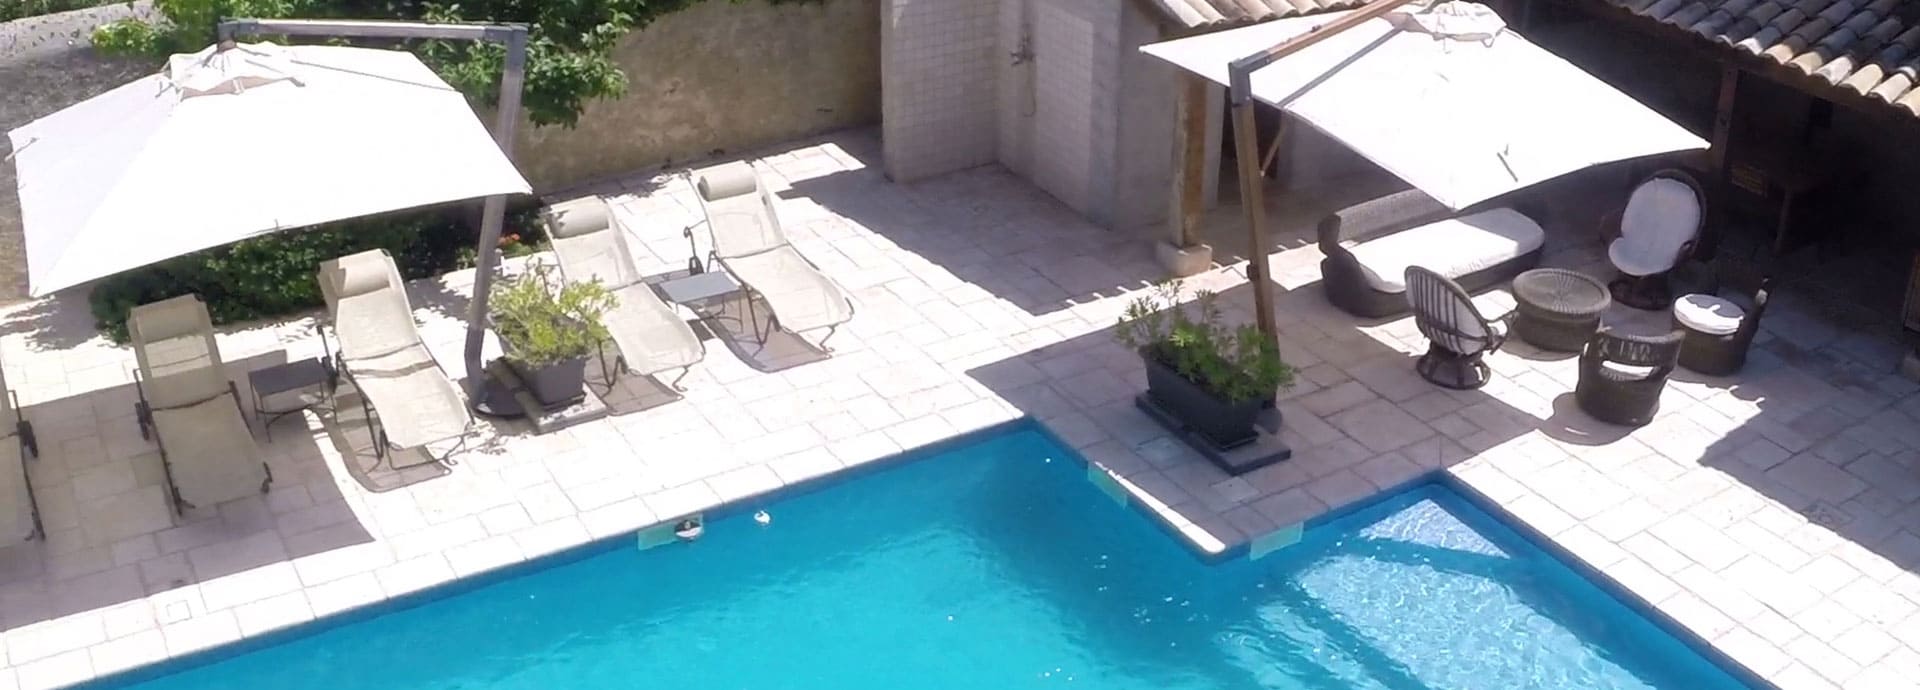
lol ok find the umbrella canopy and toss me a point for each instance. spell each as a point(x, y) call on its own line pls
point(1447, 99)
point(224, 145)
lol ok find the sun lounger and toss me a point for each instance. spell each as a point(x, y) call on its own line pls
point(748, 243)
point(408, 399)
point(20, 517)
point(650, 336)
point(190, 408)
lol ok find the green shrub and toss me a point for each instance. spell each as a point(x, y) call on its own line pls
point(1237, 364)
point(273, 275)
point(541, 320)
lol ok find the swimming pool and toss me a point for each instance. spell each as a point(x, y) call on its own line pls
point(997, 564)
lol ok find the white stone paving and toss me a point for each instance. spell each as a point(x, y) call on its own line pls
point(1773, 513)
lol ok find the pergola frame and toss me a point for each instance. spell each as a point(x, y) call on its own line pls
point(494, 209)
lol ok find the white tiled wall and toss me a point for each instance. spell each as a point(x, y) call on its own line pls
point(1064, 131)
point(938, 98)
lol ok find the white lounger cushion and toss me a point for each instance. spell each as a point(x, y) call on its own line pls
point(210, 451)
point(1661, 217)
point(1708, 314)
point(416, 402)
point(650, 334)
point(748, 240)
point(1453, 247)
point(384, 357)
point(800, 296)
point(16, 516)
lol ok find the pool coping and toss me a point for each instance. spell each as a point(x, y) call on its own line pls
point(1231, 552)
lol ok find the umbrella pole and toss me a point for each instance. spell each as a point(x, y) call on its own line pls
point(1247, 149)
point(497, 400)
point(1253, 200)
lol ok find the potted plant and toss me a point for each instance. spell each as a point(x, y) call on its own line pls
point(547, 332)
point(1212, 378)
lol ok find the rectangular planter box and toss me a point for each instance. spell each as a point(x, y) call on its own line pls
point(1222, 424)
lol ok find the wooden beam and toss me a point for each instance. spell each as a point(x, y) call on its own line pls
point(1718, 158)
point(1191, 176)
point(1253, 201)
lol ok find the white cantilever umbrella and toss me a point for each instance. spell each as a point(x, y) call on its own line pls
point(224, 145)
point(1448, 99)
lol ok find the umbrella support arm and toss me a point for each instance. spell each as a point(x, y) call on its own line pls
point(1247, 148)
point(494, 210)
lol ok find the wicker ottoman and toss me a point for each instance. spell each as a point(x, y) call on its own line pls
point(1713, 328)
point(1557, 309)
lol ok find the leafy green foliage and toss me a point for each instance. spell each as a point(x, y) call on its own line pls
point(542, 320)
point(15, 9)
point(273, 275)
point(1237, 364)
point(569, 44)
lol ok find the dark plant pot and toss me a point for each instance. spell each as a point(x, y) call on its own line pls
point(558, 384)
point(1221, 423)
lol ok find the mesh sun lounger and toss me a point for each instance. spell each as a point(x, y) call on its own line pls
point(748, 243)
point(650, 336)
point(20, 516)
point(189, 407)
point(408, 399)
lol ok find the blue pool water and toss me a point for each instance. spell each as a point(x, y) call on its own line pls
point(999, 565)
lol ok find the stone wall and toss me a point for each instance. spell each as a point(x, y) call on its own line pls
point(720, 75)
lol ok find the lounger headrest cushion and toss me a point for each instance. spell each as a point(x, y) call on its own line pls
point(169, 318)
point(361, 274)
point(578, 217)
point(730, 180)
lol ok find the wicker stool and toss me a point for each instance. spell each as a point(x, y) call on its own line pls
point(1557, 309)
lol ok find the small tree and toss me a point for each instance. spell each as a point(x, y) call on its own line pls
point(569, 43)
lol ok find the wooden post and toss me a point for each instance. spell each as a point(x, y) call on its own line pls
point(1246, 148)
point(1191, 176)
point(1718, 160)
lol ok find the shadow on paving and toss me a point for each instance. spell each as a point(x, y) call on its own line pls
point(987, 228)
point(1359, 420)
point(111, 535)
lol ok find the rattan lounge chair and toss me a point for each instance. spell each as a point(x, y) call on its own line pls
point(1458, 336)
point(20, 518)
point(650, 336)
point(1658, 228)
point(408, 399)
point(1622, 376)
point(1368, 247)
point(190, 408)
point(749, 244)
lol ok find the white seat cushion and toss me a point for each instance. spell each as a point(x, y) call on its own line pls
point(1708, 314)
point(1661, 217)
point(1453, 247)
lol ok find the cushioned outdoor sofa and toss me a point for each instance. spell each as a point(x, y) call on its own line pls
point(1370, 245)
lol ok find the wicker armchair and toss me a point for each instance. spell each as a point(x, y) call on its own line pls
point(1719, 329)
point(1657, 230)
point(1458, 336)
point(1621, 376)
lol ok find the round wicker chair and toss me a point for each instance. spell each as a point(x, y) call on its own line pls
point(1658, 228)
point(1459, 336)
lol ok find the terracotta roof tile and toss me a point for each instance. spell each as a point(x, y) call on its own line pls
point(1869, 48)
point(1195, 14)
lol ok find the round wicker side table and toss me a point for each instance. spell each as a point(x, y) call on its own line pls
point(1557, 309)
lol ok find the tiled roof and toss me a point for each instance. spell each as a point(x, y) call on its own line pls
point(1869, 48)
point(1206, 13)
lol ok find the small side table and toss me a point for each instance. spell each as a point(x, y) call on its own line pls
point(285, 389)
point(698, 289)
point(1558, 310)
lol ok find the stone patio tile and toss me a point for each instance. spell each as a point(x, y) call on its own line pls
point(56, 671)
point(686, 499)
point(273, 613)
point(54, 638)
point(200, 632)
point(1342, 397)
point(485, 554)
point(1823, 659)
point(1817, 478)
point(1772, 585)
point(1644, 581)
point(346, 593)
point(1698, 541)
point(1290, 507)
point(1380, 426)
point(128, 652)
point(413, 575)
point(864, 448)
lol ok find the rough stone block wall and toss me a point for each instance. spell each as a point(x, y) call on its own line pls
point(719, 75)
point(939, 101)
